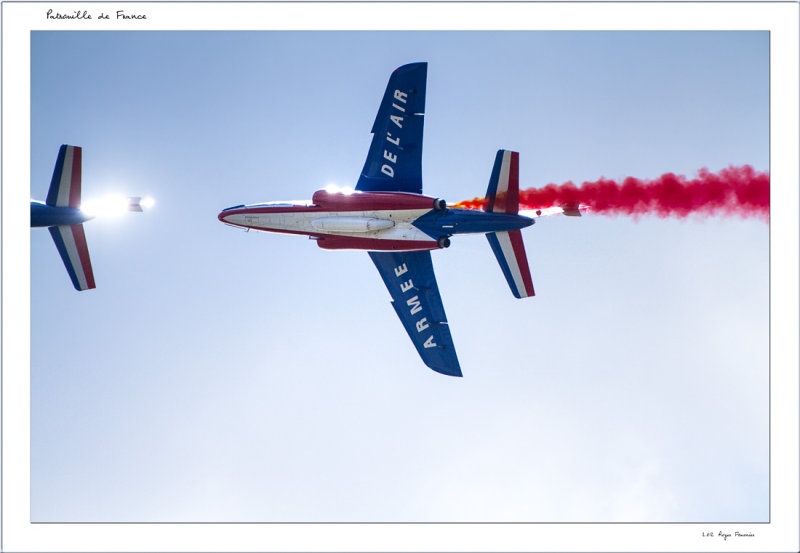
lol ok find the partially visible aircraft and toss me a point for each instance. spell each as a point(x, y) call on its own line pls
point(570, 209)
point(61, 213)
point(388, 216)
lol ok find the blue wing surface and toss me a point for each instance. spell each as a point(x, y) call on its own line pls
point(415, 295)
point(394, 161)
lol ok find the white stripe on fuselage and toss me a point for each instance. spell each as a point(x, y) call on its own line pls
point(302, 221)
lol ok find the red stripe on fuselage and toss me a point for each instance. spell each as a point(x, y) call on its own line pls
point(371, 201)
point(331, 242)
point(522, 260)
point(267, 209)
point(339, 242)
point(338, 202)
point(325, 202)
point(75, 182)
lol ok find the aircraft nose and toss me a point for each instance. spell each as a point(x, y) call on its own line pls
point(224, 215)
point(229, 218)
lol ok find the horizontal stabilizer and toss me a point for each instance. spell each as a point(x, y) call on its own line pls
point(502, 196)
point(509, 250)
point(71, 244)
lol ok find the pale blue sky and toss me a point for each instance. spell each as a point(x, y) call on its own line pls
point(217, 375)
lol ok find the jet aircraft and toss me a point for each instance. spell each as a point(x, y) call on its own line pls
point(61, 213)
point(388, 216)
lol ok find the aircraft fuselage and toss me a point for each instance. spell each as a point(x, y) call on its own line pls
point(43, 215)
point(374, 221)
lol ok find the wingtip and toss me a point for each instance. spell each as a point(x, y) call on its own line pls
point(448, 371)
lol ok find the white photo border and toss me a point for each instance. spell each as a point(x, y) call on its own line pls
point(779, 18)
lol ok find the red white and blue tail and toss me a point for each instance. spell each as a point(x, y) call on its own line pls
point(502, 196)
point(65, 186)
point(70, 240)
point(71, 244)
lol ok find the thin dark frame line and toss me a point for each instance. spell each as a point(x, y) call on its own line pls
point(471, 2)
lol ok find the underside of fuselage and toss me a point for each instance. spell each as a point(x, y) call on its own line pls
point(413, 222)
point(387, 215)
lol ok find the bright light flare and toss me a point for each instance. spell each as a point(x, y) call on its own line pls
point(147, 202)
point(108, 206)
point(336, 189)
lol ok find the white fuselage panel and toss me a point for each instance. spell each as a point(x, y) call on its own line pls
point(385, 224)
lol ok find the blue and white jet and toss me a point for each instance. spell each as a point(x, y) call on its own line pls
point(388, 216)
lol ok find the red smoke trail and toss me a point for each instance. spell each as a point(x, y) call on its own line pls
point(735, 191)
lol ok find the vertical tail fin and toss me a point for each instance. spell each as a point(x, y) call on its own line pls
point(65, 186)
point(502, 196)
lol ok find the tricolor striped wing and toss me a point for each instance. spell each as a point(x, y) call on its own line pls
point(510, 253)
point(71, 243)
point(502, 196)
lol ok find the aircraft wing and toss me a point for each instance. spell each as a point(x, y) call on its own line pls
point(394, 161)
point(415, 297)
point(71, 244)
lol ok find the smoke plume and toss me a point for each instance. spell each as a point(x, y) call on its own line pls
point(735, 191)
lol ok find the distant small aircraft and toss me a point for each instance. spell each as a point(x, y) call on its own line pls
point(64, 217)
point(388, 216)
